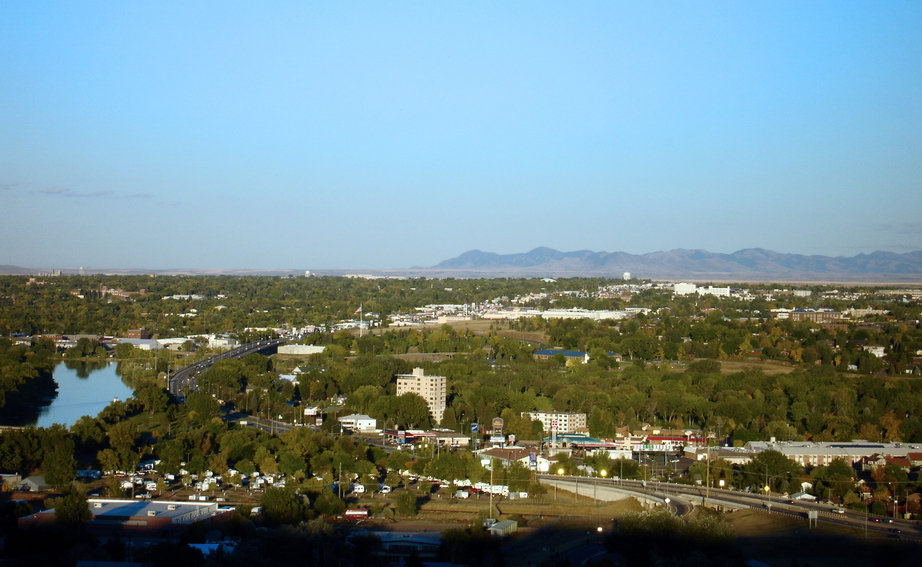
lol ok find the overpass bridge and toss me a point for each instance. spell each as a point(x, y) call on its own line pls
point(185, 379)
point(680, 499)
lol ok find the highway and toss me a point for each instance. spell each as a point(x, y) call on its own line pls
point(184, 380)
point(682, 495)
point(607, 490)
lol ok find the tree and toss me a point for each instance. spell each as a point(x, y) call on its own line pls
point(124, 350)
point(447, 466)
point(518, 477)
point(152, 397)
point(72, 509)
point(774, 467)
point(108, 460)
point(291, 463)
point(328, 504)
point(59, 464)
point(410, 411)
point(405, 502)
point(88, 431)
point(201, 407)
point(282, 506)
point(833, 481)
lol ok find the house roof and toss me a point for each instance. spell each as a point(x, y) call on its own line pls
point(510, 454)
point(357, 417)
point(37, 482)
point(178, 512)
point(567, 353)
point(898, 461)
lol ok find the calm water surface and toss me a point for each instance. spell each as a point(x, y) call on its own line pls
point(82, 392)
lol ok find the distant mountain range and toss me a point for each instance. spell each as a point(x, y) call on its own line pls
point(752, 264)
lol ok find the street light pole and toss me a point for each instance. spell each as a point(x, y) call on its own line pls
point(768, 490)
point(707, 482)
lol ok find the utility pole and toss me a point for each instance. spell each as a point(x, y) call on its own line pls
point(492, 466)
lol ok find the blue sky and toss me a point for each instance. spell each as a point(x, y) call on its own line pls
point(387, 135)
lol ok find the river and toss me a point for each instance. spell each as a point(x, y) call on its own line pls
point(83, 389)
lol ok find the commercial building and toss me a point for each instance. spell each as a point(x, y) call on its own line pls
point(818, 454)
point(809, 453)
point(819, 315)
point(399, 547)
point(563, 422)
point(142, 344)
point(157, 517)
point(137, 334)
point(716, 291)
point(683, 288)
point(433, 389)
point(358, 422)
point(303, 350)
point(579, 356)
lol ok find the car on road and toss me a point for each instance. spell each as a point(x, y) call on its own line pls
point(838, 511)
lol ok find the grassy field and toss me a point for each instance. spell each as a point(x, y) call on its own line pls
point(769, 367)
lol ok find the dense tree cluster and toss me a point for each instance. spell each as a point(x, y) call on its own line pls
point(24, 373)
point(672, 373)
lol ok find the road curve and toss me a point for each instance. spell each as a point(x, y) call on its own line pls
point(183, 380)
point(606, 489)
point(773, 504)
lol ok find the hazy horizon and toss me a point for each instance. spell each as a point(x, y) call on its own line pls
point(391, 135)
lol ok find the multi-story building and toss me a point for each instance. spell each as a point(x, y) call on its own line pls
point(711, 290)
point(565, 422)
point(819, 315)
point(683, 288)
point(433, 389)
point(815, 454)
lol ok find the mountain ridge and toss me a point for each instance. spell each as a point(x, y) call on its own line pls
point(680, 262)
point(748, 264)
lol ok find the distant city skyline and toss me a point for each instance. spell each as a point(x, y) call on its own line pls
point(390, 135)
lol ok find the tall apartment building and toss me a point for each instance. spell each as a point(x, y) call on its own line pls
point(566, 422)
point(433, 389)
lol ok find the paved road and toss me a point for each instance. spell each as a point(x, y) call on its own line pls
point(183, 380)
point(608, 490)
point(682, 494)
point(268, 425)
